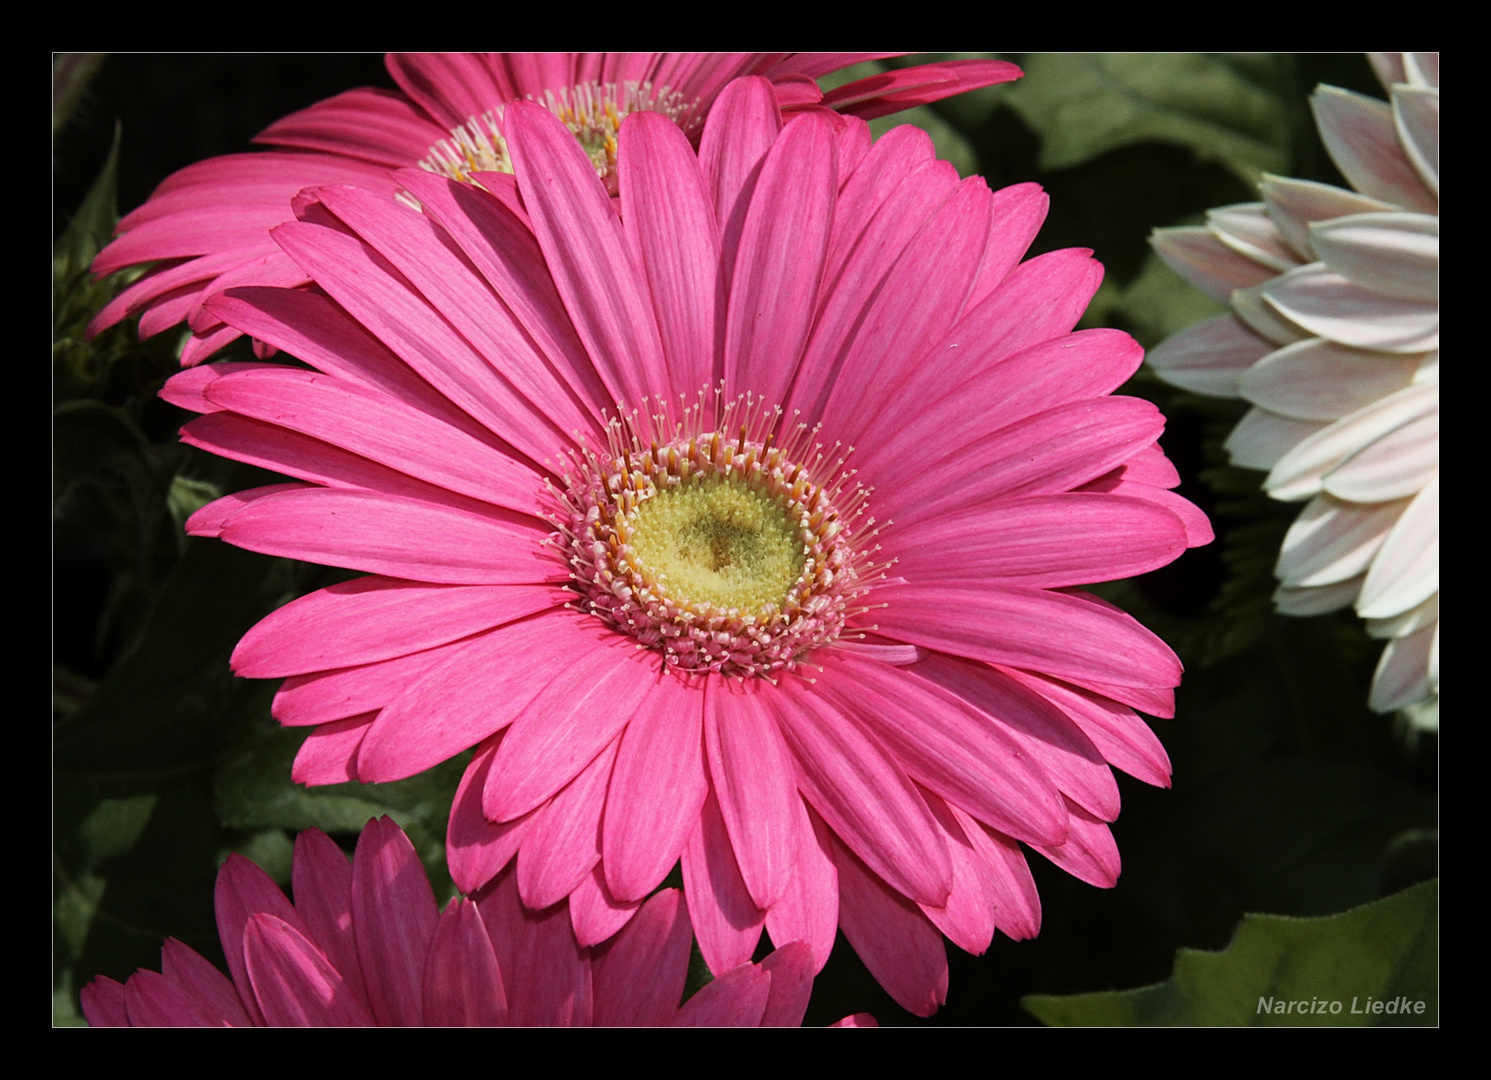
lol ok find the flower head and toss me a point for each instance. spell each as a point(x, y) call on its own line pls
point(736, 521)
point(1334, 340)
point(207, 226)
point(366, 944)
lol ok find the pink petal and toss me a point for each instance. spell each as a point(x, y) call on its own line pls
point(243, 891)
point(547, 975)
point(322, 883)
point(657, 788)
point(393, 910)
point(737, 998)
point(808, 910)
point(754, 783)
point(639, 975)
point(564, 844)
point(725, 920)
point(329, 753)
point(294, 983)
point(476, 849)
point(1089, 853)
point(462, 986)
point(902, 949)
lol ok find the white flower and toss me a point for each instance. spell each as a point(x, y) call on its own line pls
point(1334, 341)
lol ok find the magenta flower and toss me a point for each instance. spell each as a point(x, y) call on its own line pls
point(207, 226)
point(735, 521)
point(366, 944)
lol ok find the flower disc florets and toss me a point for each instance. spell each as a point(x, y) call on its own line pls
point(592, 111)
point(718, 548)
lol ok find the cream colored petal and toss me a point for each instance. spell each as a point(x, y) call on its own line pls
point(1395, 254)
point(1328, 305)
point(1317, 600)
point(1247, 229)
point(1416, 115)
point(1210, 357)
point(1415, 618)
point(1332, 540)
point(1361, 139)
point(1263, 319)
point(1294, 204)
point(1261, 438)
point(1319, 380)
point(1403, 674)
point(1208, 264)
point(1395, 466)
point(1421, 69)
point(1406, 570)
point(1300, 473)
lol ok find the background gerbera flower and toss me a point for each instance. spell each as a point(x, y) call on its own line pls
point(207, 226)
point(366, 945)
point(1334, 341)
point(735, 522)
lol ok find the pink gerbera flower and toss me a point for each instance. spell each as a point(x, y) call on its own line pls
point(734, 521)
point(366, 944)
point(207, 226)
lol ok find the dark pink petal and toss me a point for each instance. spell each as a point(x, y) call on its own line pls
point(1089, 853)
point(638, 976)
point(243, 890)
point(293, 982)
point(476, 849)
point(545, 971)
point(329, 754)
point(1018, 212)
point(905, 88)
point(791, 968)
point(581, 238)
point(321, 879)
point(808, 910)
point(453, 87)
point(371, 619)
point(657, 788)
point(103, 1003)
point(206, 991)
point(946, 744)
point(726, 922)
point(565, 842)
point(462, 986)
point(863, 793)
point(894, 939)
point(755, 785)
point(737, 998)
point(776, 272)
point(393, 910)
point(670, 224)
point(1029, 628)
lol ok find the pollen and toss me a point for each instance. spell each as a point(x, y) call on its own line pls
point(592, 111)
point(718, 548)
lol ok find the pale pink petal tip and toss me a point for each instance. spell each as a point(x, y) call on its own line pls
point(363, 945)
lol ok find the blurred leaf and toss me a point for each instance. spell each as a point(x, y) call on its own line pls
point(1222, 107)
point(1384, 952)
point(90, 229)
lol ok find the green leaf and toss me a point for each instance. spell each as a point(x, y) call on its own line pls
point(1375, 965)
point(1222, 107)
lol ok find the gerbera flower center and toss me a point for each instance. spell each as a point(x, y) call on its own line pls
point(726, 553)
point(593, 111)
